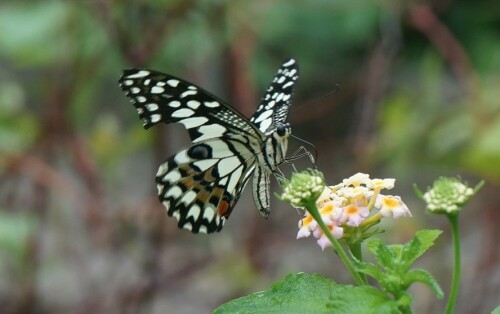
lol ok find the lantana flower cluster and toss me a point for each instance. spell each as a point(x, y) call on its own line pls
point(349, 204)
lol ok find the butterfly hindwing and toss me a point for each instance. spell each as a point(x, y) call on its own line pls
point(200, 186)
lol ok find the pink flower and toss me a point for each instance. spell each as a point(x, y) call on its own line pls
point(354, 215)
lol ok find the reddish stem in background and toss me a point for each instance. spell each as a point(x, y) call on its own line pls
point(423, 18)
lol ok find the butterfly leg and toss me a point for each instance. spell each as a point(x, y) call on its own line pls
point(300, 153)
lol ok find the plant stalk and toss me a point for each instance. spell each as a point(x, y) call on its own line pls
point(311, 208)
point(455, 282)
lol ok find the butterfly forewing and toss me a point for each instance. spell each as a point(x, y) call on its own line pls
point(160, 97)
point(201, 185)
point(273, 108)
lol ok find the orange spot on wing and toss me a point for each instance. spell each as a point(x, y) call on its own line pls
point(222, 208)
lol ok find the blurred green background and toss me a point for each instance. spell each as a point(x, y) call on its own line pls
point(81, 229)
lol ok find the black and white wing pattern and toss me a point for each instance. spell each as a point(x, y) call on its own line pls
point(273, 108)
point(200, 185)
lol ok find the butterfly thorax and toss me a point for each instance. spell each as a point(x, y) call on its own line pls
point(275, 147)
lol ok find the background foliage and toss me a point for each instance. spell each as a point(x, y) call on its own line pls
point(80, 227)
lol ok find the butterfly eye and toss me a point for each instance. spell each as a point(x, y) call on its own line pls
point(281, 129)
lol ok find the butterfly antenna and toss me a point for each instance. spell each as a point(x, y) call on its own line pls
point(337, 88)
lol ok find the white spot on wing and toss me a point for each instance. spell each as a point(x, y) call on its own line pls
point(172, 83)
point(152, 107)
point(193, 122)
point(263, 116)
point(194, 104)
point(264, 125)
point(174, 104)
point(211, 104)
point(160, 187)
point(288, 84)
point(210, 131)
point(188, 198)
point(188, 92)
point(289, 63)
point(166, 204)
point(139, 74)
point(155, 118)
point(157, 90)
point(162, 169)
point(135, 90)
point(128, 82)
point(183, 113)
point(172, 176)
point(209, 213)
point(194, 211)
point(176, 215)
point(182, 157)
point(141, 99)
point(188, 226)
point(174, 192)
point(203, 229)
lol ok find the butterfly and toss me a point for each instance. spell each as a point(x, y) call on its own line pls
point(200, 185)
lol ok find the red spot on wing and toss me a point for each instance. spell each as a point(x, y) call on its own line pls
point(223, 207)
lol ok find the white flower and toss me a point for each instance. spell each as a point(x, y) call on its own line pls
point(357, 179)
point(392, 206)
point(381, 184)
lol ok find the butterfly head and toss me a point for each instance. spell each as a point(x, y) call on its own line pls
point(276, 146)
point(283, 130)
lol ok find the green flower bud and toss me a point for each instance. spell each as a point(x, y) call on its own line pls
point(447, 195)
point(303, 188)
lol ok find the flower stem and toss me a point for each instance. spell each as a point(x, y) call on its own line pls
point(455, 282)
point(357, 253)
point(311, 208)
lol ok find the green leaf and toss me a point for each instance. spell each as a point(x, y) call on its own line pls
point(311, 293)
point(385, 257)
point(423, 276)
point(496, 310)
point(413, 249)
point(370, 269)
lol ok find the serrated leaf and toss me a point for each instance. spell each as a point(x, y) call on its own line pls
point(423, 276)
point(413, 249)
point(384, 256)
point(310, 293)
point(370, 270)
